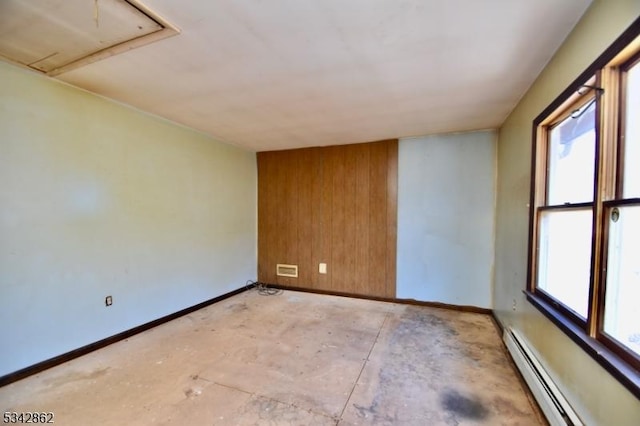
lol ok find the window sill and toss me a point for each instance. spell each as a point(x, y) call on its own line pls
point(619, 369)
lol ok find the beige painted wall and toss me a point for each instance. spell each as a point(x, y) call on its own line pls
point(99, 199)
point(597, 396)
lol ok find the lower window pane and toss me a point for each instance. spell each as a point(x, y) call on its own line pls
point(622, 312)
point(564, 257)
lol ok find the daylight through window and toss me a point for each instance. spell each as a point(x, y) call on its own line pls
point(585, 212)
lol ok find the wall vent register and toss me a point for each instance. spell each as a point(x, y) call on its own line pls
point(283, 270)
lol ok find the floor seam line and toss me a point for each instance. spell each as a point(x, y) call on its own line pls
point(231, 387)
point(364, 364)
point(290, 404)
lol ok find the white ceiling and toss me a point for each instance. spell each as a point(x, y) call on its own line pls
point(280, 74)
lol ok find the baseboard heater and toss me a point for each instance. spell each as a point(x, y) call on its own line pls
point(554, 406)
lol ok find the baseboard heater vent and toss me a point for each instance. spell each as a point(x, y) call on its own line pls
point(554, 406)
point(283, 270)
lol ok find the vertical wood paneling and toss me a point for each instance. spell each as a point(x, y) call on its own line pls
point(362, 284)
point(315, 188)
point(349, 231)
point(326, 203)
point(336, 205)
point(303, 196)
point(392, 216)
point(278, 211)
point(288, 207)
point(266, 225)
point(338, 225)
point(287, 210)
point(377, 219)
point(273, 239)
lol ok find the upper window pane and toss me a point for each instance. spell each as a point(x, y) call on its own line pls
point(572, 145)
point(631, 174)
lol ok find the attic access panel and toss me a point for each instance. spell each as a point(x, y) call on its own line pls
point(54, 36)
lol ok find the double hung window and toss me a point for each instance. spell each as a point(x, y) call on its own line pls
point(584, 266)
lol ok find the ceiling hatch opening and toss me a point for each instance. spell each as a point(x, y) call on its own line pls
point(55, 36)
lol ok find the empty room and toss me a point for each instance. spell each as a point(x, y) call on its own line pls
point(304, 212)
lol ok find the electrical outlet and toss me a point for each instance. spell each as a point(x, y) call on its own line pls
point(322, 268)
point(108, 301)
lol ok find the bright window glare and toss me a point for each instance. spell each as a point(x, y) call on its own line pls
point(622, 314)
point(571, 159)
point(565, 257)
point(631, 186)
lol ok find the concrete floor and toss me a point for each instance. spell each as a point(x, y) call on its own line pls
point(295, 358)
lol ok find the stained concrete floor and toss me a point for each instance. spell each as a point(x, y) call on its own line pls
point(291, 359)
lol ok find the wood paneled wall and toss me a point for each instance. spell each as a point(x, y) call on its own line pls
point(335, 205)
